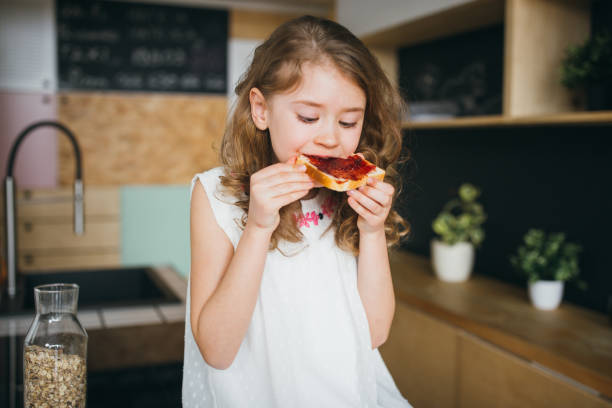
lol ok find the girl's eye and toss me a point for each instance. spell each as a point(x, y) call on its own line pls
point(306, 119)
point(348, 124)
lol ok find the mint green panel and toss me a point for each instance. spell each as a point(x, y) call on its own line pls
point(155, 226)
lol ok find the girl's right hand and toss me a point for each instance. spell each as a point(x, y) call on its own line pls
point(274, 187)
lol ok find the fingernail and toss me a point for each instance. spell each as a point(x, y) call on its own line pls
point(302, 167)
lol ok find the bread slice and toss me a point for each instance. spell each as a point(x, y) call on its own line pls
point(349, 167)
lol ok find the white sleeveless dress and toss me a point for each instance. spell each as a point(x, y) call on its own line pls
point(308, 344)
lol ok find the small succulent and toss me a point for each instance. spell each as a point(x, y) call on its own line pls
point(547, 257)
point(461, 218)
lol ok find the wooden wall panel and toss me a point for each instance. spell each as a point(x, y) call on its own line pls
point(45, 234)
point(50, 234)
point(58, 203)
point(421, 356)
point(141, 138)
point(50, 261)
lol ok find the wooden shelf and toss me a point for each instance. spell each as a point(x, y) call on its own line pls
point(573, 341)
point(570, 118)
point(532, 93)
point(449, 21)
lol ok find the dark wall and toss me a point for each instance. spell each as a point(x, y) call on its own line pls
point(553, 178)
point(459, 75)
point(601, 16)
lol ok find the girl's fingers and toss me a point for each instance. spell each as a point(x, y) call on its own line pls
point(282, 176)
point(366, 202)
point(377, 195)
point(286, 188)
point(361, 210)
point(381, 185)
point(277, 169)
point(288, 198)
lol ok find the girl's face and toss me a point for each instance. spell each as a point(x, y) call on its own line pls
point(323, 116)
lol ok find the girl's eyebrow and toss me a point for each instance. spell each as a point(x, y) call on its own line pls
point(318, 105)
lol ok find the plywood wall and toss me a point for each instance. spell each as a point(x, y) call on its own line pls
point(149, 138)
point(141, 138)
point(154, 138)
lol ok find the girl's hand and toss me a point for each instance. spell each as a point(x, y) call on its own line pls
point(372, 203)
point(272, 188)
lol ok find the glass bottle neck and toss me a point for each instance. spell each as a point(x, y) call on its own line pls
point(56, 298)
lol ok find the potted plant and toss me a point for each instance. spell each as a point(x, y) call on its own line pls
point(587, 69)
point(459, 226)
point(547, 261)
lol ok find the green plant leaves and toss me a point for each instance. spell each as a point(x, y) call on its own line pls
point(547, 257)
point(589, 62)
point(468, 192)
point(461, 219)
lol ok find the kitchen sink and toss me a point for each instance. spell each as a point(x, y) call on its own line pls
point(99, 288)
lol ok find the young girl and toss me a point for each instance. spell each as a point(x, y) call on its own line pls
point(290, 291)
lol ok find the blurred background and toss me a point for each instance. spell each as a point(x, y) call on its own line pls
point(493, 100)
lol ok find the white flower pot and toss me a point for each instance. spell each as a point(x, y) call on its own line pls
point(452, 263)
point(546, 295)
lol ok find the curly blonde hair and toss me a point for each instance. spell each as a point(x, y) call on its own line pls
point(276, 67)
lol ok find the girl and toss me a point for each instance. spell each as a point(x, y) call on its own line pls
point(290, 291)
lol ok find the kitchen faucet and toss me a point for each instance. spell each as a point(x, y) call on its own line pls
point(9, 199)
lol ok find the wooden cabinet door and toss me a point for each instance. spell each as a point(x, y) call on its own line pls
point(421, 356)
point(491, 377)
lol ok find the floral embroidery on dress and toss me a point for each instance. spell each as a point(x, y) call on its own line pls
point(327, 209)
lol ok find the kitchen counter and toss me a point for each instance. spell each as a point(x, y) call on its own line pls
point(571, 342)
point(120, 339)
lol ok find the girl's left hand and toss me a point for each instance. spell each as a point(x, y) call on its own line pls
point(372, 203)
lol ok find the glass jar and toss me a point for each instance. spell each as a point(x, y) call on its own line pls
point(55, 350)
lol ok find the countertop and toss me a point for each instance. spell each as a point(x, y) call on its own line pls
point(119, 338)
point(571, 341)
point(107, 318)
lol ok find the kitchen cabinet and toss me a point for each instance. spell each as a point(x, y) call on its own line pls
point(481, 344)
point(421, 354)
point(489, 376)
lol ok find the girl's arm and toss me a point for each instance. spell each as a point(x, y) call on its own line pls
point(373, 203)
point(375, 285)
point(225, 284)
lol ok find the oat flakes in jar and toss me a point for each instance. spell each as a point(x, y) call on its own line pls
point(55, 350)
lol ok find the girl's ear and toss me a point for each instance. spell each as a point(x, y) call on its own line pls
point(259, 109)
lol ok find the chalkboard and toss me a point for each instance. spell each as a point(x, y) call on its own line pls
point(108, 45)
point(459, 75)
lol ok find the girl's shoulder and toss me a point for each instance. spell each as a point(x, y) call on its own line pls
point(227, 214)
point(211, 181)
point(210, 176)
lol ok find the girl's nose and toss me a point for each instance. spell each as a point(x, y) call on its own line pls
point(328, 137)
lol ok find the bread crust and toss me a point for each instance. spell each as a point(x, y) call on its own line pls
point(334, 183)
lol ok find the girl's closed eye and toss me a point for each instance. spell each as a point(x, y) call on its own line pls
point(307, 119)
point(348, 124)
point(349, 121)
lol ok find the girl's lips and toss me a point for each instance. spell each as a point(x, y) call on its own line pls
point(326, 155)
